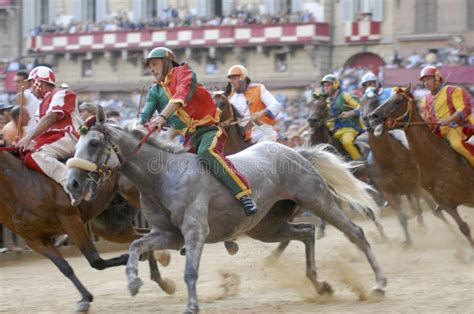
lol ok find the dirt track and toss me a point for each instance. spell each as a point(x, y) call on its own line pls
point(433, 276)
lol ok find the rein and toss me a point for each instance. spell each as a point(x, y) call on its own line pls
point(99, 173)
point(8, 149)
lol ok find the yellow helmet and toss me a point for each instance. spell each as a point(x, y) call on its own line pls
point(238, 70)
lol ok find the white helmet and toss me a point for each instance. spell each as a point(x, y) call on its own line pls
point(42, 73)
point(368, 77)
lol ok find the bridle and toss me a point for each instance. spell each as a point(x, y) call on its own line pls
point(97, 173)
point(404, 118)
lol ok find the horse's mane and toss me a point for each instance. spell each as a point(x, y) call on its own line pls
point(153, 141)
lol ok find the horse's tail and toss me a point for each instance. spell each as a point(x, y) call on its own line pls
point(340, 180)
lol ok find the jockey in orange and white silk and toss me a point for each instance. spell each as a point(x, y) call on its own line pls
point(254, 99)
point(446, 102)
point(59, 140)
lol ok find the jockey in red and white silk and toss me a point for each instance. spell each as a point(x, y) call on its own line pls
point(56, 133)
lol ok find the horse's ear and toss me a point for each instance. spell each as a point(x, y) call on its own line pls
point(408, 88)
point(228, 89)
point(100, 115)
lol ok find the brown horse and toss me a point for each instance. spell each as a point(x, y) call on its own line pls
point(35, 207)
point(394, 171)
point(229, 121)
point(317, 120)
point(447, 176)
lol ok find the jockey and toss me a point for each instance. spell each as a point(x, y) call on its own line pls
point(255, 103)
point(345, 112)
point(188, 107)
point(450, 107)
point(369, 79)
point(55, 136)
point(371, 87)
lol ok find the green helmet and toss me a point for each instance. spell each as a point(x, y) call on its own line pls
point(161, 52)
point(332, 79)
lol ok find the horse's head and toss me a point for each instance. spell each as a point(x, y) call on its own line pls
point(369, 103)
point(394, 112)
point(318, 112)
point(93, 161)
point(223, 103)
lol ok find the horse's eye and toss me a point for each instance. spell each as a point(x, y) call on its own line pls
point(94, 143)
point(397, 101)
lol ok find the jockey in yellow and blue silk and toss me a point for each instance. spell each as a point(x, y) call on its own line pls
point(187, 106)
point(448, 109)
point(344, 109)
point(255, 103)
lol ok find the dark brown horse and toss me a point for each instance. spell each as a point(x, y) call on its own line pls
point(317, 120)
point(447, 176)
point(394, 172)
point(35, 207)
point(229, 121)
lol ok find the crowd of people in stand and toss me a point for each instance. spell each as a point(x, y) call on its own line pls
point(172, 17)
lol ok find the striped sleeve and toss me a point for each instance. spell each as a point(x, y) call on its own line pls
point(63, 103)
point(351, 102)
point(461, 100)
point(186, 84)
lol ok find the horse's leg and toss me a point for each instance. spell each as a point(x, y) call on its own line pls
point(303, 232)
point(127, 235)
point(336, 217)
point(51, 252)
point(195, 233)
point(463, 226)
point(284, 244)
point(394, 202)
point(74, 227)
point(155, 240)
point(415, 205)
point(435, 208)
point(167, 285)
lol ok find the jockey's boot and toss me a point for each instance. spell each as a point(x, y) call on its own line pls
point(249, 205)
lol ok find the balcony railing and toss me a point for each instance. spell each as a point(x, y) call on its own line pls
point(210, 36)
point(361, 32)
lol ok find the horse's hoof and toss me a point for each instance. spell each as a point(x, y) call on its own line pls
point(134, 285)
point(232, 247)
point(168, 286)
point(163, 257)
point(192, 310)
point(82, 306)
point(182, 252)
point(325, 289)
point(377, 294)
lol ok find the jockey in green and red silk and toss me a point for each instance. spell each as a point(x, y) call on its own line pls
point(450, 107)
point(55, 135)
point(188, 107)
point(345, 112)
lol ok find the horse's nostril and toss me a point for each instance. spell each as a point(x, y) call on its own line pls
point(75, 184)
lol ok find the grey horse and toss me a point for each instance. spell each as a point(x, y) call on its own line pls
point(185, 205)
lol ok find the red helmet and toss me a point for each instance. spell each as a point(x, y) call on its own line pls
point(42, 73)
point(431, 71)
